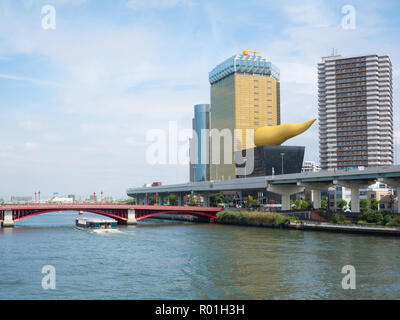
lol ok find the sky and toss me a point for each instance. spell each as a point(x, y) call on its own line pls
point(77, 101)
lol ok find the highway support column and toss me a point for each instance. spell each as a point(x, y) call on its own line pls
point(180, 199)
point(206, 199)
point(316, 189)
point(160, 199)
point(355, 192)
point(285, 191)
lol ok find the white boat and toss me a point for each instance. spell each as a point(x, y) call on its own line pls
point(85, 223)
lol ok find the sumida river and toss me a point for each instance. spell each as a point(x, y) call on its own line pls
point(175, 260)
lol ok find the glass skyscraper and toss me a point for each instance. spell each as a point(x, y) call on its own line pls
point(199, 144)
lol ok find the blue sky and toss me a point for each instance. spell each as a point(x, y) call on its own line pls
point(76, 102)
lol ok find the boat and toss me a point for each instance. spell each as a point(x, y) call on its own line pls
point(85, 223)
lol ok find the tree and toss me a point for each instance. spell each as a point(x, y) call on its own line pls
point(172, 200)
point(363, 205)
point(151, 199)
point(220, 198)
point(298, 203)
point(373, 216)
point(304, 204)
point(252, 203)
point(324, 204)
point(193, 201)
point(374, 204)
point(342, 205)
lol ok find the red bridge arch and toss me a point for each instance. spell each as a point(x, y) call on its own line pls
point(115, 211)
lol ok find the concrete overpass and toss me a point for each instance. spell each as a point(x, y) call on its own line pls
point(283, 185)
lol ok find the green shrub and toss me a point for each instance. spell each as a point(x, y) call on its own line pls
point(254, 218)
point(373, 216)
point(394, 221)
point(387, 219)
point(338, 218)
point(365, 223)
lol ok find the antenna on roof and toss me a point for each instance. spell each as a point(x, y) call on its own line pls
point(334, 52)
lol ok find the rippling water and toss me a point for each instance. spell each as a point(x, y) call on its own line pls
point(173, 260)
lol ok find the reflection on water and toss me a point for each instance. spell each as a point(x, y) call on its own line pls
point(178, 260)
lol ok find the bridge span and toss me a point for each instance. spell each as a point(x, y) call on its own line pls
point(124, 214)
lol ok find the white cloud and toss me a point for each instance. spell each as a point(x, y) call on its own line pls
point(297, 72)
point(34, 81)
point(30, 145)
point(310, 13)
point(28, 124)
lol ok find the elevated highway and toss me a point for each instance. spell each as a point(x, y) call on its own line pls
point(283, 185)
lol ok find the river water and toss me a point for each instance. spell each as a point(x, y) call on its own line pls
point(177, 260)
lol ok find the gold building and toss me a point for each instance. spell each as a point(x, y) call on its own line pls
point(245, 94)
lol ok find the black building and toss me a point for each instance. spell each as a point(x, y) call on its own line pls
point(270, 160)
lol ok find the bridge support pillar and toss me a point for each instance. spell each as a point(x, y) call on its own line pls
point(285, 191)
point(131, 217)
point(8, 221)
point(180, 199)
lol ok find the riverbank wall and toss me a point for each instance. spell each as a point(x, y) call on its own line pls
point(276, 220)
point(380, 230)
point(279, 221)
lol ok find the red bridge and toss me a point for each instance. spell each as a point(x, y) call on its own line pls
point(124, 214)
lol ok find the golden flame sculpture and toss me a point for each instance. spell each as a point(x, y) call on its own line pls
point(276, 135)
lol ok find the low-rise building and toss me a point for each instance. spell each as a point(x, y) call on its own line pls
point(58, 199)
point(310, 166)
point(21, 199)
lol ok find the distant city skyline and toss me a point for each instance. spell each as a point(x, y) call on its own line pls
point(76, 101)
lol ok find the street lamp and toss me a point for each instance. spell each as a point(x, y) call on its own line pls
point(282, 154)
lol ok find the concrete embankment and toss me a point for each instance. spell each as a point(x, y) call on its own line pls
point(276, 220)
point(317, 226)
point(392, 231)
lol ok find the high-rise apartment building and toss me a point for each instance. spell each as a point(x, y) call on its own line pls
point(199, 144)
point(355, 111)
point(245, 94)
